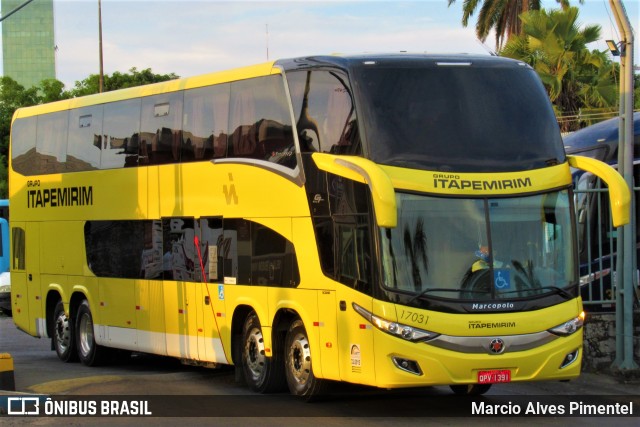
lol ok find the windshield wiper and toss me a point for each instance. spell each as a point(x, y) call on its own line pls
point(566, 295)
point(426, 291)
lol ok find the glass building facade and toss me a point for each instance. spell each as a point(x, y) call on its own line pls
point(28, 45)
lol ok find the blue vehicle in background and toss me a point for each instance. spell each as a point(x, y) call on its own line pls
point(597, 240)
point(5, 278)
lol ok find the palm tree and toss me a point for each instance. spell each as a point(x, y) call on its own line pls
point(556, 47)
point(499, 15)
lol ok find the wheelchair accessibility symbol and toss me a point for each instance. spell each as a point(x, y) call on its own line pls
point(502, 279)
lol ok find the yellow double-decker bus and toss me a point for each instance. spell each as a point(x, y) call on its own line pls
point(392, 220)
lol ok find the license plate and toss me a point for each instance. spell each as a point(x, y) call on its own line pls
point(494, 376)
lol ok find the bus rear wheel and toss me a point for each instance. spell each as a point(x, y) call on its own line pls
point(90, 353)
point(63, 336)
point(470, 389)
point(263, 374)
point(299, 371)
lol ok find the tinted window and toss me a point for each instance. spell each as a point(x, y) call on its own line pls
point(85, 139)
point(260, 122)
point(121, 134)
point(343, 234)
point(237, 261)
point(354, 253)
point(458, 118)
point(180, 257)
point(206, 117)
point(160, 129)
point(242, 252)
point(212, 242)
point(116, 248)
point(51, 143)
point(273, 261)
point(18, 248)
point(325, 114)
point(23, 145)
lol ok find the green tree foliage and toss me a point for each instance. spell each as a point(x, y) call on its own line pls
point(556, 47)
point(14, 96)
point(499, 15)
point(119, 80)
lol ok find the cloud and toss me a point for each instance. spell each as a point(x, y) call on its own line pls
point(196, 37)
point(191, 38)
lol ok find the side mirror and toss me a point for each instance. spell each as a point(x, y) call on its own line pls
point(365, 171)
point(619, 194)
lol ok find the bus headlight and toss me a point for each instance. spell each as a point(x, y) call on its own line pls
point(569, 327)
point(409, 333)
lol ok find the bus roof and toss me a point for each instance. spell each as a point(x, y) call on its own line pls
point(400, 58)
point(332, 61)
point(151, 89)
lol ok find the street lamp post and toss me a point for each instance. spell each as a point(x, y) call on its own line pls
point(101, 79)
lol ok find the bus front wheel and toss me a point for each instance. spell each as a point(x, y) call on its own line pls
point(63, 335)
point(263, 374)
point(300, 378)
point(90, 353)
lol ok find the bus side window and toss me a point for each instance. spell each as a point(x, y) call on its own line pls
point(51, 143)
point(349, 205)
point(117, 248)
point(160, 129)
point(18, 248)
point(354, 263)
point(273, 261)
point(213, 248)
point(85, 139)
point(206, 117)
point(325, 113)
point(259, 121)
point(121, 129)
point(237, 251)
point(23, 145)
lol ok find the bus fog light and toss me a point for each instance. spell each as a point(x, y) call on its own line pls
point(569, 359)
point(407, 365)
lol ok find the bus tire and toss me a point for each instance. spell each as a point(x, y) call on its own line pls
point(470, 389)
point(298, 369)
point(89, 353)
point(263, 374)
point(63, 338)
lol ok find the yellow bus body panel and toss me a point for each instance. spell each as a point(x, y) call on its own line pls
point(194, 321)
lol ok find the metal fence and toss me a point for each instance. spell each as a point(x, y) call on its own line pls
point(597, 240)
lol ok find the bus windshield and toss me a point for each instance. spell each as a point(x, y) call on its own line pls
point(467, 117)
point(480, 249)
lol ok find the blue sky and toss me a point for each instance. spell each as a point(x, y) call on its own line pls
point(195, 37)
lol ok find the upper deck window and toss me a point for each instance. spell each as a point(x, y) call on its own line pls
point(470, 118)
point(260, 121)
point(245, 119)
point(325, 112)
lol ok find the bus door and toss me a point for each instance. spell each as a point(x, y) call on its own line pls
point(19, 290)
point(192, 299)
point(210, 293)
point(150, 319)
point(353, 265)
point(179, 290)
point(26, 295)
